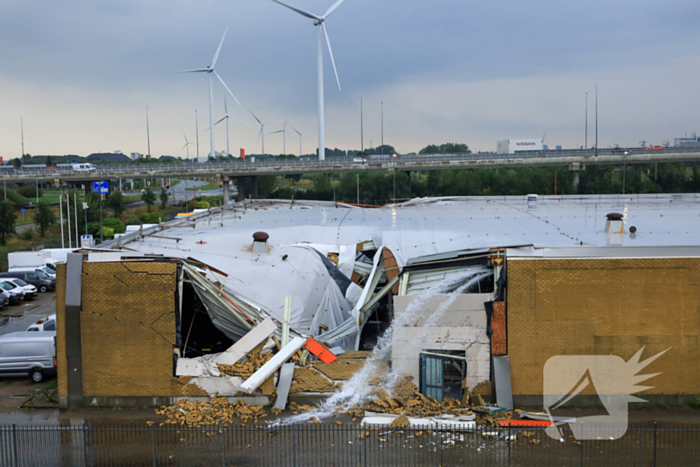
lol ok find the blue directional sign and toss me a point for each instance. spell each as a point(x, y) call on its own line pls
point(100, 187)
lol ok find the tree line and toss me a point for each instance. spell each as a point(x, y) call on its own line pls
point(377, 188)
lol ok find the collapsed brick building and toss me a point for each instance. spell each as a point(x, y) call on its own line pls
point(558, 278)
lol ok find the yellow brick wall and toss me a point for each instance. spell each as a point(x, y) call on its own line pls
point(61, 361)
point(128, 330)
point(604, 307)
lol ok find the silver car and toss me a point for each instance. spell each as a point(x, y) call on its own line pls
point(28, 353)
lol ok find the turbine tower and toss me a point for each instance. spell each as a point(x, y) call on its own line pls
point(187, 145)
point(300, 135)
point(210, 70)
point(262, 130)
point(319, 21)
point(227, 117)
point(284, 137)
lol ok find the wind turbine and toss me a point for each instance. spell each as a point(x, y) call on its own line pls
point(284, 137)
point(320, 22)
point(227, 117)
point(210, 70)
point(262, 130)
point(300, 135)
point(187, 145)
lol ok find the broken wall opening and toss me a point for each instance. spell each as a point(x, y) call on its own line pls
point(199, 335)
point(377, 324)
point(442, 373)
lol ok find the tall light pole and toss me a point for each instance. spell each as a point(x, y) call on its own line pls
point(196, 124)
point(596, 120)
point(21, 124)
point(362, 128)
point(382, 128)
point(586, 145)
point(148, 132)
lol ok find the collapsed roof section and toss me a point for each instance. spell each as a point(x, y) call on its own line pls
point(338, 263)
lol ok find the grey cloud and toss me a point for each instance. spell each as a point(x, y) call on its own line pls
point(129, 52)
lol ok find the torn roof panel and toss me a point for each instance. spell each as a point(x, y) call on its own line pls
point(414, 229)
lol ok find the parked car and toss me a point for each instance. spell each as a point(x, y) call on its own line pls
point(47, 323)
point(29, 290)
point(358, 160)
point(38, 279)
point(16, 294)
point(28, 353)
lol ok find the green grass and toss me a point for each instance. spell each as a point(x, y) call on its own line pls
point(210, 187)
point(49, 384)
point(694, 403)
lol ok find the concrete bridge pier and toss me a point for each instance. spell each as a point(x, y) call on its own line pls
point(576, 168)
point(240, 183)
point(227, 196)
point(254, 187)
point(246, 183)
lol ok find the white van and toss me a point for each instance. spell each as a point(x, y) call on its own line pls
point(47, 323)
point(28, 353)
point(84, 168)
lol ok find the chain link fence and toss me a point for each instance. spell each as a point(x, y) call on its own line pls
point(347, 445)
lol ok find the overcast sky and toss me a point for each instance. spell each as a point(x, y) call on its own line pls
point(81, 72)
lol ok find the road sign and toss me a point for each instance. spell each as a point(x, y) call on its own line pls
point(100, 187)
point(86, 241)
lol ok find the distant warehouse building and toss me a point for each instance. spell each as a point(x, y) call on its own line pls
point(511, 146)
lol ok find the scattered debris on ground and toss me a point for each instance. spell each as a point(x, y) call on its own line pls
point(210, 413)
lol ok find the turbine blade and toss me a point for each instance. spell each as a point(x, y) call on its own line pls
point(275, 132)
point(251, 112)
point(240, 121)
point(222, 119)
point(196, 70)
point(290, 126)
point(299, 10)
point(332, 8)
point(225, 106)
point(186, 144)
point(330, 51)
point(185, 138)
point(259, 135)
point(229, 91)
point(216, 55)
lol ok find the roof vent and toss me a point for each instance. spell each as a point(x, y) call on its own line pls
point(260, 242)
point(615, 228)
point(532, 201)
point(260, 237)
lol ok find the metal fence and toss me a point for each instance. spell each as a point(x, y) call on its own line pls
point(330, 445)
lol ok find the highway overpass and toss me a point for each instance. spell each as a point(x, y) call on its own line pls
point(575, 160)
